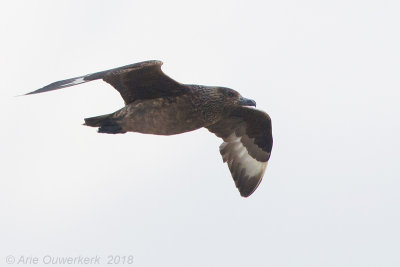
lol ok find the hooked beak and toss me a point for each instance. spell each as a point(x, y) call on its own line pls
point(246, 102)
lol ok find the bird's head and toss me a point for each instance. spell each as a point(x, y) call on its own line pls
point(232, 97)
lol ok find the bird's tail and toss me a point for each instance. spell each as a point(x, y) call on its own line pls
point(106, 124)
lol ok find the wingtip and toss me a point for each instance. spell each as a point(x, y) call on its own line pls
point(30, 93)
point(246, 194)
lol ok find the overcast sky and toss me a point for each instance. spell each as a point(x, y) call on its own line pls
point(327, 72)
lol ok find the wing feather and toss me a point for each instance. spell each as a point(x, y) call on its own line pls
point(247, 146)
point(143, 80)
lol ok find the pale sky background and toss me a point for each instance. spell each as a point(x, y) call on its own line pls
point(327, 72)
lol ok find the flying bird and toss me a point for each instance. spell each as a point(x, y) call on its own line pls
point(157, 104)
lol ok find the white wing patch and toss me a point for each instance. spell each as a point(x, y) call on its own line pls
point(242, 166)
point(74, 82)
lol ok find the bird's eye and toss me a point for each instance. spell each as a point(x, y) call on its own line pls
point(231, 94)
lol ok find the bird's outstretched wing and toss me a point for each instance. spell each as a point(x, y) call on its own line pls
point(144, 80)
point(247, 146)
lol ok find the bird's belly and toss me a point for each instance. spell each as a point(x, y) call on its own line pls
point(162, 116)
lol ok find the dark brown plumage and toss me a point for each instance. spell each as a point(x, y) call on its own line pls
point(156, 104)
